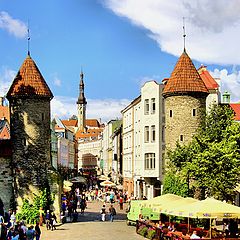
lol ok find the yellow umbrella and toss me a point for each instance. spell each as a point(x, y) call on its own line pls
point(208, 208)
point(160, 200)
point(174, 206)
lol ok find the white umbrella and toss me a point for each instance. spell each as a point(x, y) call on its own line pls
point(107, 183)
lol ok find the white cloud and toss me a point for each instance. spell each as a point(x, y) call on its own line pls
point(104, 109)
point(57, 82)
point(14, 26)
point(229, 82)
point(212, 27)
point(6, 77)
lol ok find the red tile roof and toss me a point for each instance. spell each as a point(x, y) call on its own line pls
point(92, 123)
point(29, 81)
point(208, 80)
point(88, 133)
point(70, 122)
point(4, 113)
point(184, 78)
point(236, 108)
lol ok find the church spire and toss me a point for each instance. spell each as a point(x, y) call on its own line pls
point(81, 104)
point(81, 98)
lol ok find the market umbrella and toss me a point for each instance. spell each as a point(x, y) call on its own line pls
point(177, 205)
point(208, 208)
point(107, 183)
point(160, 200)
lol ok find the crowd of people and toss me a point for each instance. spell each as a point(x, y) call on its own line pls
point(11, 229)
point(18, 230)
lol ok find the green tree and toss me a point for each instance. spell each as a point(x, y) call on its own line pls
point(175, 183)
point(211, 162)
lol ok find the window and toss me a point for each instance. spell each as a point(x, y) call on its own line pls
point(149, 161)
point(181, 138)
point(153, 106)
point(171, 113)
point(24, 142)
point(43, 116)
point(146, 134)
point(153, 133)
point(146, 106)
point(194, 112)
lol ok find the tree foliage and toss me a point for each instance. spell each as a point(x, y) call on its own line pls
point(30, 211)
point(211, 162)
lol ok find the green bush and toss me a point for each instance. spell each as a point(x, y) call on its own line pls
point(30, 211)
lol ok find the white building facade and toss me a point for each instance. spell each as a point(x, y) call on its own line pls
point(143, 142)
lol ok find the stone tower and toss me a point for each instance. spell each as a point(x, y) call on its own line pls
point(29, 99)
point(185, 101)
point(81, 105)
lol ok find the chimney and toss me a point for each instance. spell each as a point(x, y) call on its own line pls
point(1, 101)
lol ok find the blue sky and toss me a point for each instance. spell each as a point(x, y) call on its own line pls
point(118, 44)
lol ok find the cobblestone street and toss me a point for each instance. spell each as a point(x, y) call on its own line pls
point(90, 227)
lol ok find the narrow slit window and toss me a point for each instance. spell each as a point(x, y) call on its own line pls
point(181, 138)
point(194, 112)
point(171, 113)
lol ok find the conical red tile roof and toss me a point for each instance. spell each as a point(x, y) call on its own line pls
point(184, 78)
point(29, 81)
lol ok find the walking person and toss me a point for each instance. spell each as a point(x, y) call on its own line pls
point(37, 231)
point(112, 212)
point(121, 202)
point(30, 233)
point(103, 212)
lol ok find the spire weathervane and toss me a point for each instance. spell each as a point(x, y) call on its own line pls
point(28, 40)
point(184, 34)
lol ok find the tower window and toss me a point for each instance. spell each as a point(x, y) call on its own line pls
point(43, 116)
point(170, 113)
point(24, 142)
point(194, 112)
point(181, 138)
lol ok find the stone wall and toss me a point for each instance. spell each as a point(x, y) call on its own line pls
point(30, 133)
point(182, 121)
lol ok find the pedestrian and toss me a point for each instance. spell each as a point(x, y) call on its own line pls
point(47, 220)
point(121, 202)
point(53, 221)
point(103, 212)
point(30, 234)
point(37, 231)
point(112, 212)
point(13, 219)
